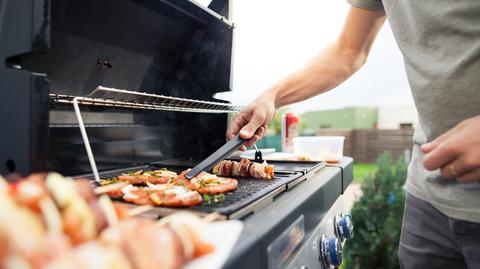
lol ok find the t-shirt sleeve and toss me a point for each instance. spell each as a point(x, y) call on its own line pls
point(367, 4)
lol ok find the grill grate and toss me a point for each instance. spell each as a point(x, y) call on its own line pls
point(247, 187)
point(248, 192)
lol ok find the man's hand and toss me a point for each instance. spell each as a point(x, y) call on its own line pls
point(456, 152)
point(252, 121)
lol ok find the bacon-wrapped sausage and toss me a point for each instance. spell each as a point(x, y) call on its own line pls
point(244, 168)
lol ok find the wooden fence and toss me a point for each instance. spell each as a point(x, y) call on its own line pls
point(366, 145)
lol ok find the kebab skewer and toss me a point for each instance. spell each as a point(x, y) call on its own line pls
point(244, 168)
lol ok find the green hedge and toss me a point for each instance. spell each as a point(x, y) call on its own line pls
point(377, 217)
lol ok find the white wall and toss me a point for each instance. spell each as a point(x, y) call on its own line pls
point(390, 117)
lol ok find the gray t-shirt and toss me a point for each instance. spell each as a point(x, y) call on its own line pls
point(440, 43)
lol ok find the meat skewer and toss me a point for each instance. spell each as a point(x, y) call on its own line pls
point(244, 168)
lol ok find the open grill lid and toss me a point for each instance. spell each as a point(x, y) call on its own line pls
point(163, 47)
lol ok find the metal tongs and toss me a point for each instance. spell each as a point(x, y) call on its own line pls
point(223, 152)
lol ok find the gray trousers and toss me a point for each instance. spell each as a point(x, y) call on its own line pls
point(430, 239)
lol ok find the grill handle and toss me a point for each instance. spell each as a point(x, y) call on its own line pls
point(223, 152)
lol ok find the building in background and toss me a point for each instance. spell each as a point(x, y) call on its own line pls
point(344, 118)
point(395, 117)
point(384, 117)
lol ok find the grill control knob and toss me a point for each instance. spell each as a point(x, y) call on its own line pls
point(330, 252)
point(344, 226)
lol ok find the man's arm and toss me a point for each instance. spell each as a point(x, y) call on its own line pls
point(331, 67)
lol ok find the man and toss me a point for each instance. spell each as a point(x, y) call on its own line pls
point(440, 42)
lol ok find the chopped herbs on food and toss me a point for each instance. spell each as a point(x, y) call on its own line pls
point(218, 198)
point(207, 198)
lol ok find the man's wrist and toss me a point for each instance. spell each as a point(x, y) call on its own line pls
point(272, 95)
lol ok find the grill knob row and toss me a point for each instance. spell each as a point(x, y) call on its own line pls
point(343, 226)
point(330, 251)
point(331, 247)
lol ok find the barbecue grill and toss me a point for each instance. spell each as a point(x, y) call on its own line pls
point(96, 88)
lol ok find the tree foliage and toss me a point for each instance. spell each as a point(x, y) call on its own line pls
point(378, 218)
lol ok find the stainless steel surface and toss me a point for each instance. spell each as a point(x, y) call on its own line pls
point(330, 251)
point(344, 226)
point(86, 142)
point(111, 97)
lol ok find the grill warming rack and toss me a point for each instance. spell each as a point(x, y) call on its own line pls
point(111, 97)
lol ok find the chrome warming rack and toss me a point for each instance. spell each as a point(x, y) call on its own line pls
point(125, 99)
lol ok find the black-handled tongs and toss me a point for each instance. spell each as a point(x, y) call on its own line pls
point(223, 152)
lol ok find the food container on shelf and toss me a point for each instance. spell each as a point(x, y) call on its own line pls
point(319, 148)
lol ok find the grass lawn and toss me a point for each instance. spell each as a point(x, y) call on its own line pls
point(362, 170)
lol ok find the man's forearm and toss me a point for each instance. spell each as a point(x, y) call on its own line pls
point(335, 63)
point(331, 67)
point(326, 71)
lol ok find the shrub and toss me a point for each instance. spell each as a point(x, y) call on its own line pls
point(378, 218)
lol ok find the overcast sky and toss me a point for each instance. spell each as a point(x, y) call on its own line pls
point(275, 37)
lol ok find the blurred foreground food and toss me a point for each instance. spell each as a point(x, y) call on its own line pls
point(49, 221)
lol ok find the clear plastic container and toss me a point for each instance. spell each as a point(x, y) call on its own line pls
point(319, 148)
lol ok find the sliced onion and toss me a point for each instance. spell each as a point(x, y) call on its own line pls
point(51, 215)
point(108, 209)
point(110, 187)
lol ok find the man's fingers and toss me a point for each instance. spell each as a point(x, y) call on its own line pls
point(261, 131)
point(440, 156)
point(232, 130)
point(426, 148)
point(252, 141)
point(237, 123)
point(251, 127)
point(230, 134)
point(471, 176)
point(458, 167)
